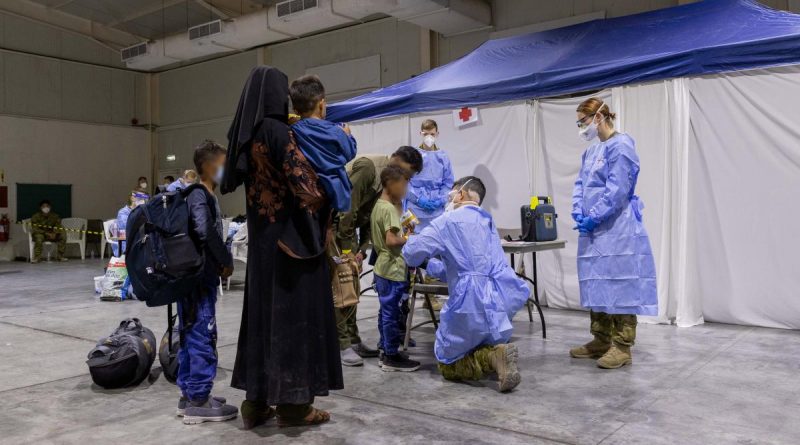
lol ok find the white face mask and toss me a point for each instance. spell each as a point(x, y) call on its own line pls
point(143, 185)
point(590, 131)
point(219, 175)
point(451, 205)
point(428, 140)
point(45, 210)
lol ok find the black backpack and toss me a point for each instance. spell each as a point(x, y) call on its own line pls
point(124, 358)
point(164, 261)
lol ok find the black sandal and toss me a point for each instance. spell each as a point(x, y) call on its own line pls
point(314, 417)
point(255, 414)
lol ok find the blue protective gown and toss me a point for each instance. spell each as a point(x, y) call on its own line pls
point(122, 222)
point(616, 270)
point(176, 185)
point(485, 293)
point(434, 182)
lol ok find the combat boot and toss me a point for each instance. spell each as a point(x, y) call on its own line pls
point(616, 357)
point(503, 360)
point(594, 349)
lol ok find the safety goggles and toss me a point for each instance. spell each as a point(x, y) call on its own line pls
point(581, 123)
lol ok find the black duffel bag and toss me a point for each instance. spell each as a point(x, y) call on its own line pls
point(124, 358)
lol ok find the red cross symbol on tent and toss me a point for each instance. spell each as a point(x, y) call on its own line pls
point(465, 114)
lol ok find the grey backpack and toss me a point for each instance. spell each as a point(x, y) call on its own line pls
point(123, 358)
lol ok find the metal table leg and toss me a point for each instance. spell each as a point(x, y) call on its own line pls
point(527, 303)
point(535, 299)
point(410, 320)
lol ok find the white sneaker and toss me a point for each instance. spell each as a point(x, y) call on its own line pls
point(350, 358)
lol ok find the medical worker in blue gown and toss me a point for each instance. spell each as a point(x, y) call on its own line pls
point(463, 247)
point(615, 264)
point(427, 190)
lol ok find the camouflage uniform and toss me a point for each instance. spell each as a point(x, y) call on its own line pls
point(352, 229)
point(500, 359)
point(472, 366)
point(47, 227)
point(619, 329)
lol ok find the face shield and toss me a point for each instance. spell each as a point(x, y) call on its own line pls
point(139, 198)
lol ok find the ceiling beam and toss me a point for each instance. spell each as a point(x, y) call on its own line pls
point(147, 11)
point(213, 9)
point(58, 19)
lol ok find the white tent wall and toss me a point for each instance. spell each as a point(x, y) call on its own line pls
point(717, 154)
point(744, 167)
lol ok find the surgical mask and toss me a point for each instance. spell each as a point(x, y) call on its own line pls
point(428, 141)
point(143, 185)
point(590, 131)
point(45, 210)
point(218, 176)
point(451, 205)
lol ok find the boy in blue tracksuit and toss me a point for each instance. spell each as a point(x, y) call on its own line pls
point(327, 146)
point(197, 356)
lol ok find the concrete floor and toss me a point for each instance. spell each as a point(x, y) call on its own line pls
point(712, 384)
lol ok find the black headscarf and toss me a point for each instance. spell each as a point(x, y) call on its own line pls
point(265, 95)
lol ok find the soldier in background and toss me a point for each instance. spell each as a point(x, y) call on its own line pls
point(46, 226)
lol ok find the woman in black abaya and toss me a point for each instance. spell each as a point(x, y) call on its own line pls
point(288, 351)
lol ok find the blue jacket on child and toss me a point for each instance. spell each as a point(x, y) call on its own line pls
point(328, 148)
point(197, 357)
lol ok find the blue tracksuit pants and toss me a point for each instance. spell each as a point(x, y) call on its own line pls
point(390, 316)
point(197, 356)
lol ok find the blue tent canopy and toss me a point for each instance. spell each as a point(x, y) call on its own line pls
point(698, 38)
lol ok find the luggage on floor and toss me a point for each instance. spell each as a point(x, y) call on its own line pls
point(168, 350)
point(123, 358)
point(164, 262)
point(114, 279)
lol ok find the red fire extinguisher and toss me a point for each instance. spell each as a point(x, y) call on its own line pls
point(5, 228)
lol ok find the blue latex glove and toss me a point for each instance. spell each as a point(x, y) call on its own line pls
point(427, 204)
point(577, 217)
point(587, 225)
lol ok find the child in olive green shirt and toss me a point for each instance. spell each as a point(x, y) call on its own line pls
point(390, 270)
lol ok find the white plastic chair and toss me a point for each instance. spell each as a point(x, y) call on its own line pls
point(26, 227)
point(76, 233)
point(109, 238)
point(239, 247)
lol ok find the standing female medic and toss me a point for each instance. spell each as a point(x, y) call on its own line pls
point(615, 264)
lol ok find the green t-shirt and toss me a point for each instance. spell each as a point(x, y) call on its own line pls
point(390, 264)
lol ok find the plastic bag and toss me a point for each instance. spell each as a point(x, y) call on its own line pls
point(116, 274)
